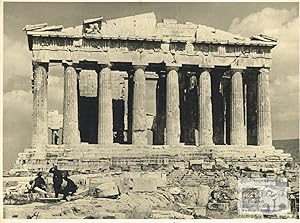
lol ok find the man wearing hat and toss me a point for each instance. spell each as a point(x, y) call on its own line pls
point(57, 180)
point(39, 184)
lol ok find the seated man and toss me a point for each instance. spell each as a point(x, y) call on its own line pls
point(70, 187)
point(39, 184)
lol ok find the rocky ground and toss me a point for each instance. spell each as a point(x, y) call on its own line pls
point(127, 205)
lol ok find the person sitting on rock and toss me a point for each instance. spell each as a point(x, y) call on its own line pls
point(39, 184)
point(70, 187)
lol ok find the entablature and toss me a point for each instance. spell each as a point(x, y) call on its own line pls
point(47, 49)
point(139, 39)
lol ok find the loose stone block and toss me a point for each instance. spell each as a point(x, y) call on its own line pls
point(207, 166)
point(142, 184)
point(203, 195)
point(107, 189)
point(179, 165)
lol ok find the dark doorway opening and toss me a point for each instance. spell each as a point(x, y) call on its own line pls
point(118, 120)
point(88, 119)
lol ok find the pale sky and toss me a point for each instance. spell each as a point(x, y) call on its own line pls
point(276, 19)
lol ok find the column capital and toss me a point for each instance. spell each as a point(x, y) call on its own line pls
point(36, 64)
point(264, 70)
point(207, 69)
point(139, 66)
point(173, 66)
point(68, 63)
point(233, 71)
point(237, 67)
point(106, 65)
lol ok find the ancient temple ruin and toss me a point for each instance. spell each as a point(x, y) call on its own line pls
point(208, 81)
point(211, 90)
point(187, 101)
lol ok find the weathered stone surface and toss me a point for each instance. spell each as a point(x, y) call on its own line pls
point(142, 184)
point(39, 115)
point(70, 116)
point(237, 122)
point(205, 110)
point(107, 189)
point(88, 83)
point(105, 119)
point(118, 85)
point(158, 214)
point(142, 25)
point(203, 195)
point(199, 212)
point(55, 120)
point(139, 128)
point(264, 129)
point(172, 108)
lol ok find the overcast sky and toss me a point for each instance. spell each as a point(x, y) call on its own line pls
point(277, 19)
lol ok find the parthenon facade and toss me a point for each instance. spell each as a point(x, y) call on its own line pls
point(212, 87)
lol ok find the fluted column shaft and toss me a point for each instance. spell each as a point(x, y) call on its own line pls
point(139, 122)
point(105, 117)
point(264, 126)
point(205, 127)
point(40, 109)
point(237, 123)
point(172, 108)
point(71, 133)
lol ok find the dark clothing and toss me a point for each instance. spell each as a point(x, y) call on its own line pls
point(57, 175)
point(57, 180)
point(40, 183)
point(70, 188)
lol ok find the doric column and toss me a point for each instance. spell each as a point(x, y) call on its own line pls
point(71, 133)
point(40, 109)
point(105, 117)
point(139, 122)
point(172, 107)
point(237, 122)
point(205, 125)
point(264, 129)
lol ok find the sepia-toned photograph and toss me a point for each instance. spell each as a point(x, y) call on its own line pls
point(150, 110)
